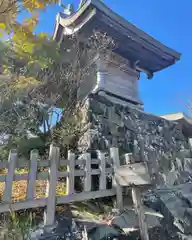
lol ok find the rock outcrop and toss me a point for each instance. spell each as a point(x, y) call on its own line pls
point(175, 203)
point(154, 140)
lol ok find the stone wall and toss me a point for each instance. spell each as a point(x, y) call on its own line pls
point(156, 141)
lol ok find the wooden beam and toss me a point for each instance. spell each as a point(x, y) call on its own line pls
point(42, 202)
point(86, 195)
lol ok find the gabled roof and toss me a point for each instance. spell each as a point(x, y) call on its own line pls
point(132, 43)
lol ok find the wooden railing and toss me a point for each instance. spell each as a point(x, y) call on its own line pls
point(52, 175)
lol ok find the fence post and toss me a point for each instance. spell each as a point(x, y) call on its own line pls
point(102, 166)
point(137, 201)
point(71, 173)
point(114, 154)
point(7, 196)
point(87, 181)
point(136, 196)
point(49, 216)
point(32, 175)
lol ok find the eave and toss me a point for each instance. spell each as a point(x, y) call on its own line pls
point(132, 43)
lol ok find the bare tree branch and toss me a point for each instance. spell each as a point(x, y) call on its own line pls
point(9, 6)
point(57, 87)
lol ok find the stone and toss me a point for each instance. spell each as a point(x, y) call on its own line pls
point(129, 220)
point(165, 148)
point(175, 203)
point(104, 232)
point(184, 237)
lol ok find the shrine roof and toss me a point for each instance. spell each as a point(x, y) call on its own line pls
point(132, 43)
point(183, 119)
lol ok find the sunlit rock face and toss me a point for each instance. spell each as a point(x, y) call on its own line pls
point(154, 140)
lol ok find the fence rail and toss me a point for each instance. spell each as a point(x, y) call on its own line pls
point(52, 175)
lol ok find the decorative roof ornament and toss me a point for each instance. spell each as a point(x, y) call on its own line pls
point(67, 10)
point(82, 2)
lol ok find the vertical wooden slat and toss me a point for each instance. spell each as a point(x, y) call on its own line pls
point(49, 217)
point(114, 154)
point(87, 182)
point(71, 173)
point(102, 165)
point(7, 196)
point(32, 175)
point(136, 196)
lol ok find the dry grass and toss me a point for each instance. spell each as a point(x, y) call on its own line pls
point(19, 188)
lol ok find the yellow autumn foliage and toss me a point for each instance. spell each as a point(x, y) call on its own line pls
point(23, 37)
point(32, 5)
point(10, 9)
point(20, 84)
point(27, 46)
point(24, 82)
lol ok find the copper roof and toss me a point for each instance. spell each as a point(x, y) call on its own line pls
point(132, 43)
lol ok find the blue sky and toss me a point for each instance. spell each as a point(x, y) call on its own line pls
point(170, 22)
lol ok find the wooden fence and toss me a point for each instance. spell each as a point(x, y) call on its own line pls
point(52, 175)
